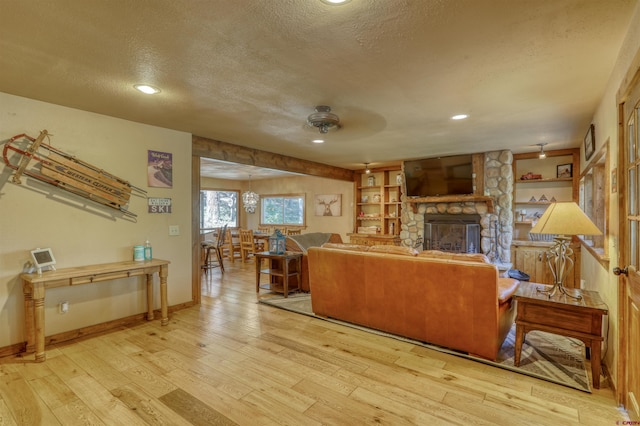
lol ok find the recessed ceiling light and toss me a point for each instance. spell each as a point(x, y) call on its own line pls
point(459, 117)
point(335, 2)
point(145, 88)
point(318, 141)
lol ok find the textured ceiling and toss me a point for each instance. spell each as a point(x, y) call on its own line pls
point(249, 72)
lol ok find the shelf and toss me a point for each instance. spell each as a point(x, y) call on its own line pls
point(545, 180)
point(369, 218)
point(369, 187)
point(533, 203)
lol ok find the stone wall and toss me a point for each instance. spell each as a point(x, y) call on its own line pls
point(496, 227)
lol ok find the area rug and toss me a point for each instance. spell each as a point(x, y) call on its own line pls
point(546, 356)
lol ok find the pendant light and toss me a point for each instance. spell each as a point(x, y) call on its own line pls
point(250, 199)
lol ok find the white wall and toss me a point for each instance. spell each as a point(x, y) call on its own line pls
point(606, 129)
point(81, 232)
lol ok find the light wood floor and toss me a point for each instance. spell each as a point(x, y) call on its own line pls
point(233, 361)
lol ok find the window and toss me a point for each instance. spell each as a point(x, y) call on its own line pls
point(218, 208)
point(282, 209)
point(594, 200)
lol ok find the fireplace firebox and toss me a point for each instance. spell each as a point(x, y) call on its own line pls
point(452, 233)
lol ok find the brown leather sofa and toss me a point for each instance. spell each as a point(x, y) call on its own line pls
point(300, 243)
point(455, 301)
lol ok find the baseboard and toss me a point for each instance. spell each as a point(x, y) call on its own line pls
point(92, 330)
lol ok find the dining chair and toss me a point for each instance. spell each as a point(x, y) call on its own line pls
point(231, 247)
point(265, 230)
point(247, 244)
point(216, 248)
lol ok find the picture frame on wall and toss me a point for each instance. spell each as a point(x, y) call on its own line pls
point(328, 205)
point(564, 170)
point(589, 143)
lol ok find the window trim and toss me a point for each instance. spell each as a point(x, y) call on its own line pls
point(238, 205)
point(599, 164)
point(301, 195)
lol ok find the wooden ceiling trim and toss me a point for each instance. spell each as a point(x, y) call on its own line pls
point(224, 151)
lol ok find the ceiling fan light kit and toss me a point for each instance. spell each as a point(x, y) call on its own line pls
point(323, 119)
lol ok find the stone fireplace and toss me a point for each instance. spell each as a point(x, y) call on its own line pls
point(452, 233)
point(494, 210)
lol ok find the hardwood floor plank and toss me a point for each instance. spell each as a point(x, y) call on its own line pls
point(356, 411)
point(502, 417)
point(53, 391)
point(152, 383)
point(107, 407)
point(24, 404)
point(149, 409)
point(232, 360)
point(233, 409)
point(76, 412)
point(99, 369)
point(194, 411)
point(6, 418)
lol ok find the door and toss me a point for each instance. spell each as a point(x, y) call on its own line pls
point(629, 254)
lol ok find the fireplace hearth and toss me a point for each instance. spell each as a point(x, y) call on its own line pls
point(452, 233)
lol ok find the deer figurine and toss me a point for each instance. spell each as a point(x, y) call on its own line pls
point(327, 206)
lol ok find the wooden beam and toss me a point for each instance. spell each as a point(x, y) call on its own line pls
point(209, 148)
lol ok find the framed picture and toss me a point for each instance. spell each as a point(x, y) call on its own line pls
point(564, 170)
point(42, 258)
point(328, 205)
point(589, 143)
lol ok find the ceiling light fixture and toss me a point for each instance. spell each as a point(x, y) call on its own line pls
point(366, 168)
point(250, 199)
point(542, 154)
point(323, 119)
point(318, 141)
point(459, 117)
point(145, 88)
point(335, 2)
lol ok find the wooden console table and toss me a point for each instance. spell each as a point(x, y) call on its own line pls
point(279, 271)
point(34, 287)
point(580, 319)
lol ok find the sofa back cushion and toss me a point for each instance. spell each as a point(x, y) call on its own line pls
point(467, 257)
point(406, 251)
point(343, 246)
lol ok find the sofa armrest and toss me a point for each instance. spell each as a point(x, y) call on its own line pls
point(506, 288)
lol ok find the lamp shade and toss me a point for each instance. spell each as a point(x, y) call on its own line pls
point(565, 218)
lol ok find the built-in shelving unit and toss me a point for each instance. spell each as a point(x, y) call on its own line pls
point(526, 254)
point(377, 206)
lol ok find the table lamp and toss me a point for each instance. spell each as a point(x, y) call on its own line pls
point(563, 219)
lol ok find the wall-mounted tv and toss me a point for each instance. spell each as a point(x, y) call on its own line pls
point(439, 176)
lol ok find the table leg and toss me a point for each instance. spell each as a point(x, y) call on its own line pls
point(258, 262)
point(149, 296)
point(595, 363)
point(518, 349)
point(38, 306)
point(164, 272)
point(27, 289)
point(285, 279)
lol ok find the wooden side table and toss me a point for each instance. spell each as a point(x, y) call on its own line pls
point(580, 319)
point(34, 288)
point(279, 270)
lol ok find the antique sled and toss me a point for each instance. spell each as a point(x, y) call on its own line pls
point(47, 164)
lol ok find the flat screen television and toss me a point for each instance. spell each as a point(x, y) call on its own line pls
point(451, 175)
